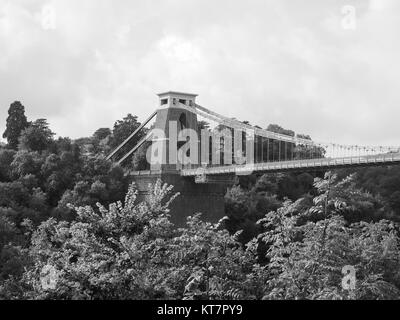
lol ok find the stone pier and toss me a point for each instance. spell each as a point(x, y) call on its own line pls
point(207, 199)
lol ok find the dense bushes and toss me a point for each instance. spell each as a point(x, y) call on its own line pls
point(306, 259)
point(131, 250)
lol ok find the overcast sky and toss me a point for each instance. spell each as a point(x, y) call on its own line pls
point(305, 65)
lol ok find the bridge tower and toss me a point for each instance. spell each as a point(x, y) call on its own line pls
point(207, 199)
point(174, 110)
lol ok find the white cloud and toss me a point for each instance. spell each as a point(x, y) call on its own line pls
point(272, 61)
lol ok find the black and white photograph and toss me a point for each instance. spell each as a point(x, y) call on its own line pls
point(199, 155)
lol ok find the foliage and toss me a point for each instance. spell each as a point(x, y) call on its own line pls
point(306, 260)
point(382, 183)
point(132, 251)
point(139, 159)
point(102, 134)
point(123, 129)
point(278, 129)
point(37, 137)
point(16, 123)
point(248, 201)
point(6, 158)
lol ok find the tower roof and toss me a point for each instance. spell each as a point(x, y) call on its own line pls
point(169, 93)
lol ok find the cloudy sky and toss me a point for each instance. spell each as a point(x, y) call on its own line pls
point(306, 65)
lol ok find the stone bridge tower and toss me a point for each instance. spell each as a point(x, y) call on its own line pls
point(174, 110)
point(207, 199)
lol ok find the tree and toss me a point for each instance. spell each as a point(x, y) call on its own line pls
point(131, 250)
point(203, 125)
point(382, 182)
point(122, 130)
point(248, 202)
point(244, 208)
point(102, 133)
point(6, 158)
point(278, 129)
point(37, 137)
point(99, 142)
point(306, 259)
point(11, 263)
point(139, 158)
point(25, 163)
point(16, 123)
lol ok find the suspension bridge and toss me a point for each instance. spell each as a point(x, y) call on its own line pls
point(201, 152)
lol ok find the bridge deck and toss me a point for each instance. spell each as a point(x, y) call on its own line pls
point(324, 163)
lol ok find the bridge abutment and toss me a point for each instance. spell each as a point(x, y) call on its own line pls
point(207, 199)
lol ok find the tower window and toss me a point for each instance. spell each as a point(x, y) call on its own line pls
point(182, 122)
point(182, 101)
point(164, 102)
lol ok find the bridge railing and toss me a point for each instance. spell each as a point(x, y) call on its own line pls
point(298, 164)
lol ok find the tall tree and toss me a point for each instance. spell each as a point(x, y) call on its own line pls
point(16, 123)
point(102, 133)
point(123, 128)
point(36, 137)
